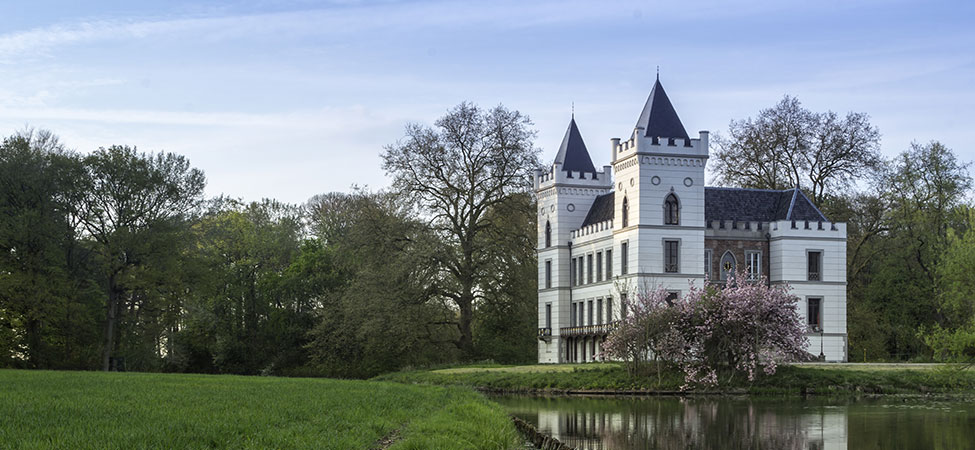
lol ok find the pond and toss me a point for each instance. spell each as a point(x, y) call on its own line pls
point(732, 423)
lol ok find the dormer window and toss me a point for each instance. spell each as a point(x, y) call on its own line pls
point(671, 210)
point(626, 212)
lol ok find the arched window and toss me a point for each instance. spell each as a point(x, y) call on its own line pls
point(728, 264)
point(626, 212)
point(548, 234)
point(671, 210)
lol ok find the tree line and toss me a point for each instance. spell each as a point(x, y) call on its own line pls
point(911, 241)
point(116, 260)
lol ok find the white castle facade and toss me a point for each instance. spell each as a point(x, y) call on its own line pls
point(647, 220)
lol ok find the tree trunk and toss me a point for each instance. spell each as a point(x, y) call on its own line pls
point(110, 324)
point(466, 341)
point(34, 343)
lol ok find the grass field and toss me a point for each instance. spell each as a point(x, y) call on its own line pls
point(791, 379)
point(40, 409)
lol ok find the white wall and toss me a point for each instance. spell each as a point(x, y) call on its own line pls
point(789, 247)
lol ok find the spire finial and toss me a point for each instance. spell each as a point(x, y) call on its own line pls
point(658, 72)
point(573, 110)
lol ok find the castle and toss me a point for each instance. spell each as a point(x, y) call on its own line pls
point(648, 221)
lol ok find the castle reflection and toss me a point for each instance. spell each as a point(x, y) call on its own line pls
point(730, 423)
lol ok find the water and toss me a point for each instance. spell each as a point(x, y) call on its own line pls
point(753, 423)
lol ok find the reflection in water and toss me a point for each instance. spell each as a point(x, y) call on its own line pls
point(730, 423)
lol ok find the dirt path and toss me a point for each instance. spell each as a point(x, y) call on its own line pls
point(388, 440)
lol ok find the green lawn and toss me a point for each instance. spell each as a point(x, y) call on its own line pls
point(40, 409)
point(536, 368)
point(790, 379)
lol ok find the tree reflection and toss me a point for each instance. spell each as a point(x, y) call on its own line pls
point(733, 423)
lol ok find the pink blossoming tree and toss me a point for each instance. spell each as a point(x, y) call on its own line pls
point(739, 328)
point(643, 333)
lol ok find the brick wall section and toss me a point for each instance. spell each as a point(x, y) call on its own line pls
point(738, 247)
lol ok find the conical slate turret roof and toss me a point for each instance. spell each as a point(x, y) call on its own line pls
point(573, 154)
point(659, 119)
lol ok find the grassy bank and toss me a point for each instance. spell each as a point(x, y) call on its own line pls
point(131, 410)
point(604, 378)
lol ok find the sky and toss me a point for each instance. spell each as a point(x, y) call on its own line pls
point(289, 99)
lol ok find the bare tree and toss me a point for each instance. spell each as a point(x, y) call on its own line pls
point(787, 146)
point(456, 173)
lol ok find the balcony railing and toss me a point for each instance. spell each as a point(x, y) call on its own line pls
point(544, 334)
point(813, 276)
point(589, 330)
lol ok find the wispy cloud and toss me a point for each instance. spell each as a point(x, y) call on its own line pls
point(330, 119)
point(352, 18)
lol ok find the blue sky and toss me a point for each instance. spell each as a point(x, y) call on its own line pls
point(288, 99)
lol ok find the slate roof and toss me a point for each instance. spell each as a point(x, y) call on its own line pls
point(758, 205)
point(573, 153)
point(659, 118)
point(745, 205)
point(603, 208)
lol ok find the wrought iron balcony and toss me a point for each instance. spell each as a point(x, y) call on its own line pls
point(589, 330)
point(545, 334)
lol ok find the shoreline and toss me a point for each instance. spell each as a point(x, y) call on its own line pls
point(832, 380)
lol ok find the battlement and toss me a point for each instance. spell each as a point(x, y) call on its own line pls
point(640, 144)
point(807, 228)
point(556, 176)
point(591, 229)
point(736, 225)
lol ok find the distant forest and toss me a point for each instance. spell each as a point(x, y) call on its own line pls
point(115, 259)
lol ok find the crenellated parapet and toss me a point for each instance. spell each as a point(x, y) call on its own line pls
point(808, 228)
point(743, 225)
point(557, 177)
point(639, 144)
point(606, 225)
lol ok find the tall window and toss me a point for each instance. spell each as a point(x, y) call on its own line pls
point(671, 210)
point(599, 311)
point(753, 261)
point(671, 258)
point(548, 315)
point(589, 268)
point(581, 280)
point(814, 313)
point(599, 266)
point(572, 273)
point(672, 297)
point(590, 313)
point(707, 263)
point(548, 274)
point(572, 315)
point(623, 306)
point(609, 309)
point(609, 264)
point(815, 265)
point(548, 234)
point(626, 212)
point(623, 253)
point(728, 264)
point(582, 314)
